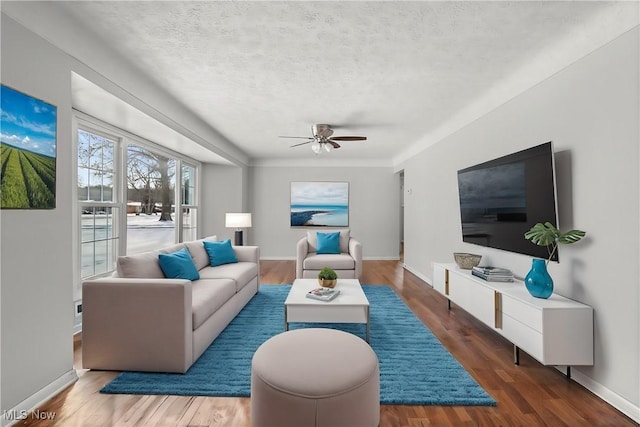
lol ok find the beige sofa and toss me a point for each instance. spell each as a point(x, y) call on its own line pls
point(138, 320)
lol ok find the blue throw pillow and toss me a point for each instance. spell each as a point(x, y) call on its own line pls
point(220, 252)
point(328, 243)
point(178, 265)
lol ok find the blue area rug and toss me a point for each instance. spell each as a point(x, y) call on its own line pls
point(414, 367)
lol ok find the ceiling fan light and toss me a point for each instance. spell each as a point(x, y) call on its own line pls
point(322, 137)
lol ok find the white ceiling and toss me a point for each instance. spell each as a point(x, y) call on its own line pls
point(404, 74)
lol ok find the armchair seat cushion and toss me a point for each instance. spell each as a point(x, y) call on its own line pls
point(315, 261)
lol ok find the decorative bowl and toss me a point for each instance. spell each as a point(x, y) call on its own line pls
point(466, 261)
point(326, 283)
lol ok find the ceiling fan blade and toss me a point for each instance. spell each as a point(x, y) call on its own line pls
point(302, 143)
point(297, 137)
point(348, 138)
point(333, 143)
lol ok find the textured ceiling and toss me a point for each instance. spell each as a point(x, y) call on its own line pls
point(395, 72)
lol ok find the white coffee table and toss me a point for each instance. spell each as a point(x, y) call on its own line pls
point(350, 306)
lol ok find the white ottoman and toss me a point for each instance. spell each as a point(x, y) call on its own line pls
point(315, 377)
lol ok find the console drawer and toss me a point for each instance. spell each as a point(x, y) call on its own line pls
point(523, 336)
point(459, 289)
point(527, 315)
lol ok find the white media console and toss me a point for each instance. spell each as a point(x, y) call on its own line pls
point(554, 331)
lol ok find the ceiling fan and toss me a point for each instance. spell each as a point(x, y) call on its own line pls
point(322, 138)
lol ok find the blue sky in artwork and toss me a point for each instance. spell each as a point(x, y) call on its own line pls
point(27, 123)
point(320, 193)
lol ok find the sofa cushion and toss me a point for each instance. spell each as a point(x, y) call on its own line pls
point(312, 239)
point(198, 252)
point(140, 266)
point(144, 265)
point(178, 265)
point(170, 249)
point(336, 261)
point(220, 252)
point(240, 272)
point(207, 296)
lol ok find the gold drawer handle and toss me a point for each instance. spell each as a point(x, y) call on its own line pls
point(497, 302)
point(446, 282)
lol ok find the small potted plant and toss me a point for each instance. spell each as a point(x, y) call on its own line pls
point(327, 277)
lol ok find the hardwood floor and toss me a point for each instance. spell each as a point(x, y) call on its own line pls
point(527, 395)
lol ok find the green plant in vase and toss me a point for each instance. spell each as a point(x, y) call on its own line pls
point(538, 281)
point(327, 277)
point(548, 235)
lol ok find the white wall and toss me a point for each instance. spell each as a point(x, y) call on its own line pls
point(37, 267)
point(374, 194)
point(591, 112)
point(221, 192)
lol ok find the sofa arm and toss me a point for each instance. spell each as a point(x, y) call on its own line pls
point(302, 249)
point(247, 253)
point(137, 324)
point(355, 250)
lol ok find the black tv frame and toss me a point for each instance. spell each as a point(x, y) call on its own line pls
point(503, 198)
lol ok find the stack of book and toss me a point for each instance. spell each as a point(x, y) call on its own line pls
point(493, 274)
point(323, 294)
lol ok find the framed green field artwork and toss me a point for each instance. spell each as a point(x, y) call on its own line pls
point(27, 151)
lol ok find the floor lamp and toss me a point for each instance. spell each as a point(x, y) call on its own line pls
point(238, 221)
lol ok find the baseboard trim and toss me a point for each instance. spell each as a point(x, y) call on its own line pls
point(425, 279)
point(25, 409)
point(612, 398)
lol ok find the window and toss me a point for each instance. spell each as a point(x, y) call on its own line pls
point(151, 188)
point(133, 196)
point(188, 185)
point(96, 198)
point(189, 206)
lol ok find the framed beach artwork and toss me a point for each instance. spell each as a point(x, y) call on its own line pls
point(27, 151)
point(319, 204)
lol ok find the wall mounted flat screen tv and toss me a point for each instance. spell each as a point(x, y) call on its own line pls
point(503, 198)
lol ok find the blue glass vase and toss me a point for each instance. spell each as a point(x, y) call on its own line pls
point(538, 281)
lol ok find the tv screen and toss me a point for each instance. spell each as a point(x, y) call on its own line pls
point(503, 198)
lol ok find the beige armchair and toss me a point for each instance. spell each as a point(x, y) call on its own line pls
point(348, 263)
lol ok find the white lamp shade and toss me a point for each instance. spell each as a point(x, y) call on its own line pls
point(237, 220)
